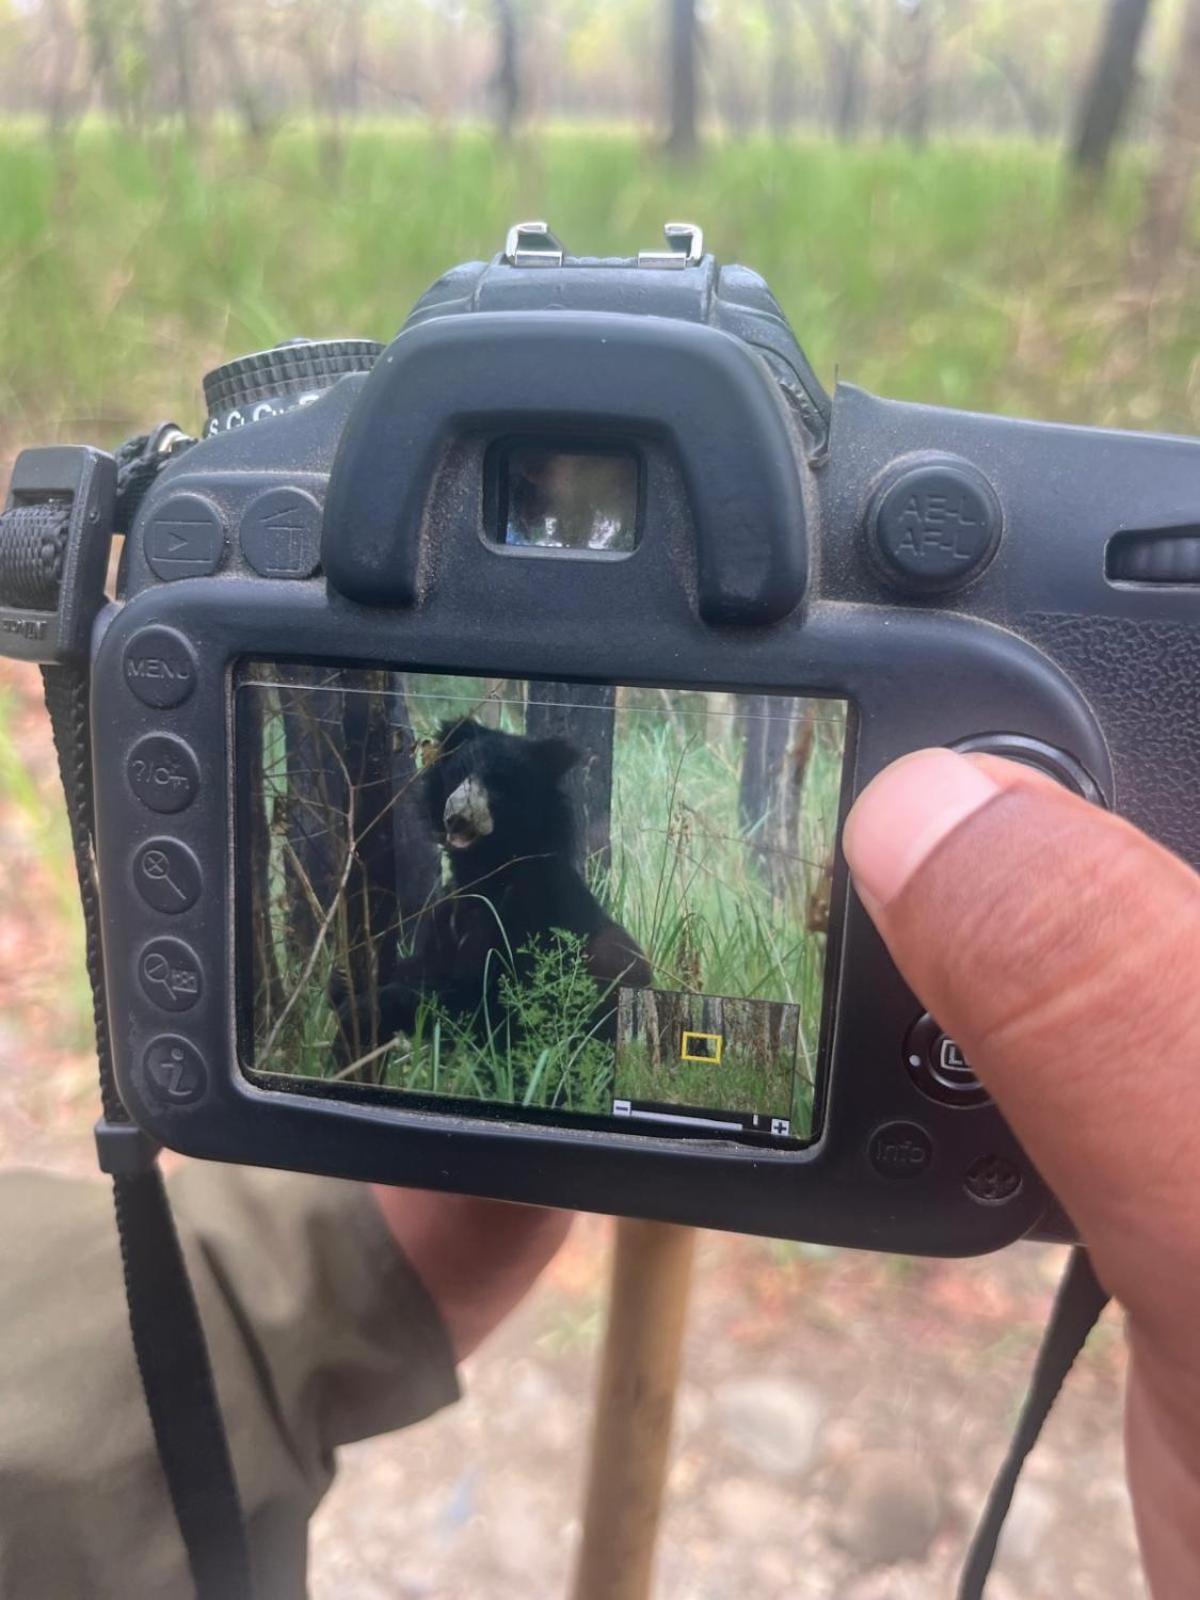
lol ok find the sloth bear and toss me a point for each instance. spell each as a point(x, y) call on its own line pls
point(496, 805)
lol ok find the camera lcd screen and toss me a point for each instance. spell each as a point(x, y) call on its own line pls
point(560, 902)
point(568, 499)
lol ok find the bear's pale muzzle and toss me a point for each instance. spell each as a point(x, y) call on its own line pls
point(467, 815)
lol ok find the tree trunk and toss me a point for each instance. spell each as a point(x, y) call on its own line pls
point(313, 820)
point(418, 863)
point(917, 75)
point(242, 90)
point(781, 85)
point(1109, 86)
point(178, 23)
point(683, 52)
point(1171, 183)
point(99, 27)
point(736, 102)
point(61, 99)
point(582, 714)
point(350, 76)
point(1032, 103)
point(394, 870)
point(506, 80)
point(848, 86)
point(315, 49)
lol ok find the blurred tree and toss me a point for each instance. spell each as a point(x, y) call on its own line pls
point(843, 31)
point(582, 715)
point(177, 26)
point(1109, 86)
point(683, 49)
point(1029, 98)
point(119, 48)
point(781, 85)
point(847, 80)
point(350, 78)
point(240, 89)
point(1170, 185)
point(916, 68)
point(63, 100)
point(912, 62)
point(315, 31)
point(506, 80)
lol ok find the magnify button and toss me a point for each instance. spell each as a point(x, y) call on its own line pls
point(166, 875)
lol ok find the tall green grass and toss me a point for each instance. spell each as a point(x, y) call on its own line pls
point(962, 274)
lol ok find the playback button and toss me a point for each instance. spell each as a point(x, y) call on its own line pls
point(938, 1066)
point(185, 538)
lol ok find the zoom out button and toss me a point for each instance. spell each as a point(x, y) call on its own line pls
point(169, 973)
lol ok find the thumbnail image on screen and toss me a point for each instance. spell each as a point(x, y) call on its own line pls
point(562, 900)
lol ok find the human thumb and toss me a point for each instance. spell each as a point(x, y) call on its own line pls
point(1061, 948)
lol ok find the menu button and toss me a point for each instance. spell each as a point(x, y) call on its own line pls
point(160, 667)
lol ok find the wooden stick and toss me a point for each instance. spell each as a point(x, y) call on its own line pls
point(634, 1405)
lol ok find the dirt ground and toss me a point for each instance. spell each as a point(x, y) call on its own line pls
point(839, 1418)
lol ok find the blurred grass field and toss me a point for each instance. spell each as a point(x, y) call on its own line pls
point(965, 274)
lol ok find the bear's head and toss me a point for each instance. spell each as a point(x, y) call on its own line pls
point(493, 798)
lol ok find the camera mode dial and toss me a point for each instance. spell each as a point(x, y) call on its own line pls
point(290, 375)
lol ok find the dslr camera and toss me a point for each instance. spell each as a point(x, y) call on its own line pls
point(473, 719)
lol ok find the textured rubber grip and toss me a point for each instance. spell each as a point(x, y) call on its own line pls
point(33, 547)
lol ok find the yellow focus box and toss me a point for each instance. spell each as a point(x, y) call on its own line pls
point(705, 1047)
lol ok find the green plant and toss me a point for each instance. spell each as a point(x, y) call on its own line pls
point(536, 1047)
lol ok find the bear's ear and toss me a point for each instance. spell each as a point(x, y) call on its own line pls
point(555, 756)
point(452, 735)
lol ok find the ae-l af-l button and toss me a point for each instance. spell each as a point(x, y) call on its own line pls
point(933, 524)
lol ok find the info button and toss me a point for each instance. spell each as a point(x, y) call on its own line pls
point(901, 1150)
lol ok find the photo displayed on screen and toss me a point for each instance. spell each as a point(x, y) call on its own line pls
point(569, 899)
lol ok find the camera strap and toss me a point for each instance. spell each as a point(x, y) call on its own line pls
point(168, 1338)
point(1077, 1307)
point(38, 538)
point(36, 541)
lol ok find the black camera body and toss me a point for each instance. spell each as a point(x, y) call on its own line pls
point(418, 658)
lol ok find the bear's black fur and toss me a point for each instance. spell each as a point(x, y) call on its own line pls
point(496, 805)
